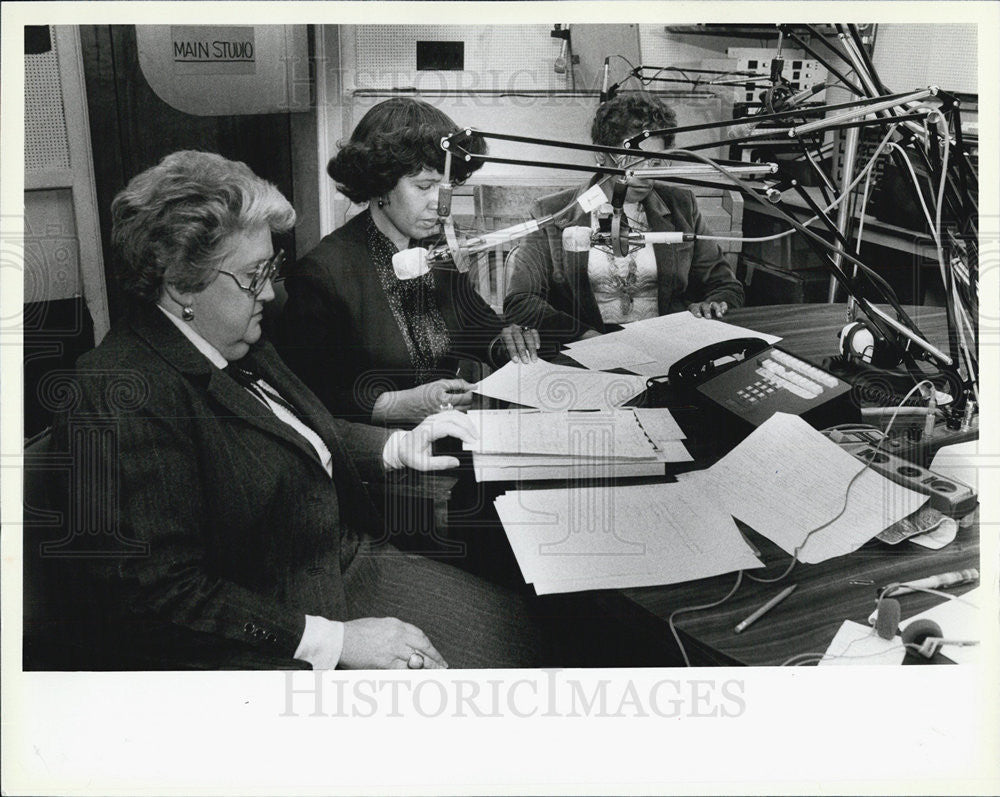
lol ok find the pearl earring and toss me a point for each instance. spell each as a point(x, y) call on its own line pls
point(187, 312)
point(383, 201)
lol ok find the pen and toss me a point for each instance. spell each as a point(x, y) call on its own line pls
point(765, 608)
point(936, 582)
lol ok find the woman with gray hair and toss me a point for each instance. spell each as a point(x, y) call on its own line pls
point(579, 293)
point(242, 535)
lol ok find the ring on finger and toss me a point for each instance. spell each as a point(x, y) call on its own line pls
point(416, 661)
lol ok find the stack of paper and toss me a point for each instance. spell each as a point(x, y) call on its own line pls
point(606, 538)
point(651, 346)
point(560, 387)
point(517, 445)
point(799, 489)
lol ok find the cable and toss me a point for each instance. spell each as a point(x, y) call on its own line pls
point(850, 484)
point(931, 591)
point(675, 612)
point(814, 657)
point(934, 226)
point(795, 553)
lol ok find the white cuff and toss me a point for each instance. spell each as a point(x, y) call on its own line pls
point(390, 453)
point(322, 643)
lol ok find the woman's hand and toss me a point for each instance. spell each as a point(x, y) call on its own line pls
point(522, 343)
point(417, 403)
point(386, 643)
point(708, 309)
point(415, 446)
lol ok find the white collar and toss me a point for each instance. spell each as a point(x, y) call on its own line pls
point(199, 342)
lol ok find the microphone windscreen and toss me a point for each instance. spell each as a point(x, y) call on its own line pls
point(410, 263)
point(887, 619)
point(576, 239)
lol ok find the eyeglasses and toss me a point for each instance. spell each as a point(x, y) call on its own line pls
point(638, 162)
point(266, 270)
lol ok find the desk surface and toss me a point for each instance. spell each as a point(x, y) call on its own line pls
point(825, 597)
point(811, 330)
point(808, 620)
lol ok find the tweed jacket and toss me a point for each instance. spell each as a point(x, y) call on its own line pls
point(223, 529)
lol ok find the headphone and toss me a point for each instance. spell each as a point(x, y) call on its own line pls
point(921, 637)
point(860, 341)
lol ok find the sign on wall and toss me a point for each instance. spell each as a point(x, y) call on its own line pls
point(227, 70)
point(213, 50)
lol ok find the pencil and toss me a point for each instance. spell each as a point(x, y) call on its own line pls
point(765, 608)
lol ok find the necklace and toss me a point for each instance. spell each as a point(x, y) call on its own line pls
point(622, 286)
point(622, 281)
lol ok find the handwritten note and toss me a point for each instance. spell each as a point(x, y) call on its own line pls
point(604, 537)
point(798, 488)
point(859, 644)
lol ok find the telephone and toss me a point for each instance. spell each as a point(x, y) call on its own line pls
point(747, 381)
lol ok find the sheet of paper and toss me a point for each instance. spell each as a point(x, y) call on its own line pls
point(557, 387)
point(658, 424)
point(572, 539)
point(959, 618)
point(672, 451)
point(606, 352)
point(859, 644)
point(615, 434)
point(667, 339)
point(937, 538)
point(786, 479)
point(603, 470)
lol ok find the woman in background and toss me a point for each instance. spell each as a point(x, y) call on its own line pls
point(573, 295)
point(371, 346)
point(243, 533)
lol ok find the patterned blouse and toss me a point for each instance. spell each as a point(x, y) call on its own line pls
point(414, 306)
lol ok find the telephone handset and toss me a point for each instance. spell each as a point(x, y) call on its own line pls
point(754, 381)
point(703, 364)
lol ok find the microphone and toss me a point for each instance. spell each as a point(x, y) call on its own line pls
point(560, 65)
point(741, 131)
point(887, 618)
point(780, 104)
point(604, 82)
point(576, 239)
point(700, 170)
point(444, 199)
point(412, 263)
point(581, 239)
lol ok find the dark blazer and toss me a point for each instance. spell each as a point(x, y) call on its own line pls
point(338, 333)
point(551, 291)
point(223, 529)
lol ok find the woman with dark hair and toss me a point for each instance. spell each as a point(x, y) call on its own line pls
point(240, 534)
point(569, 295)
point(374, 347)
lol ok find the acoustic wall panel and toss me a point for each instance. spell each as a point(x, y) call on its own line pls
point(46, 144)
point(918, 55)
point(497, 57)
